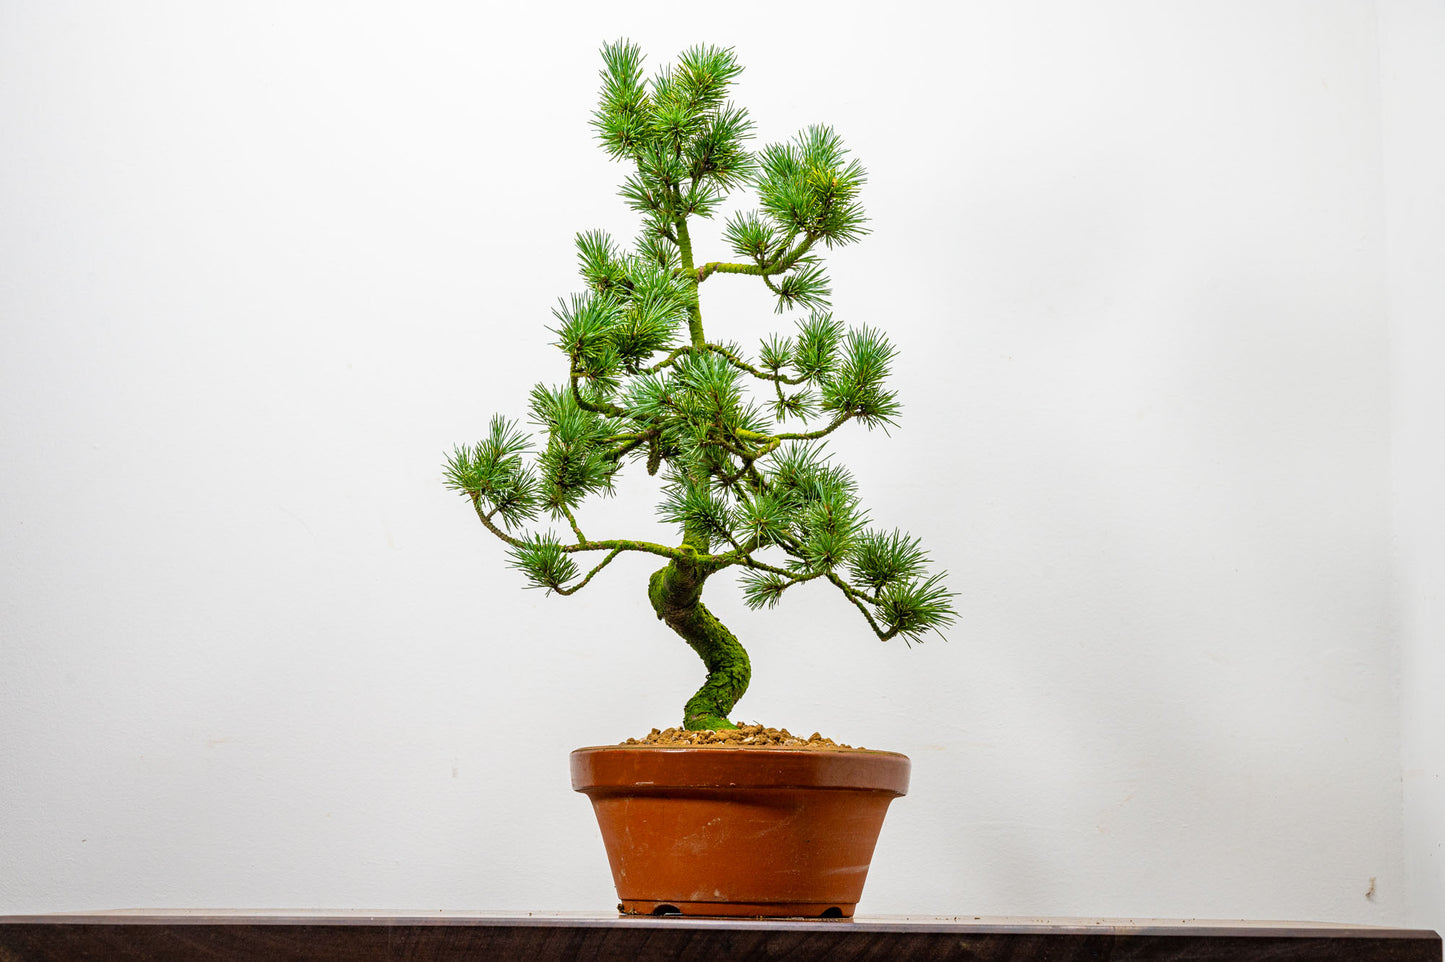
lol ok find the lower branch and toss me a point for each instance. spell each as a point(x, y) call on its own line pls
point(583, 583)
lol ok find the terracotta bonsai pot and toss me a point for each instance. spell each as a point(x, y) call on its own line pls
point(772, 832)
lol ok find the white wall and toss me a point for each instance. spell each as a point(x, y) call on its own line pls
point(263, 264)
point(1412, 36)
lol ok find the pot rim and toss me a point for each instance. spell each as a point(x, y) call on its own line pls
point(741, 749)
point(655, 768)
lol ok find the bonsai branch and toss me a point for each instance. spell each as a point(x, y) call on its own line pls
point(694, 310)
point(647, 547)
point(572, 520)
point(858, 597)
point(581, 584)
point(771, 441)
point(758, 373)
point(606, 409)
point(781, 263)
point(487, 516)
point(631, 442)
point(685, 553)
point(726, 355)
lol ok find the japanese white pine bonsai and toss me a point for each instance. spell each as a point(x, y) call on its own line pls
point(745, 481)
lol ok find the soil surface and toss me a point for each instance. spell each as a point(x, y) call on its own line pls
point(744, 736)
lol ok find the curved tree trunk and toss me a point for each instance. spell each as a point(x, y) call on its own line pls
point(676, 593)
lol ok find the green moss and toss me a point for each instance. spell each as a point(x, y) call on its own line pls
point(676, 595)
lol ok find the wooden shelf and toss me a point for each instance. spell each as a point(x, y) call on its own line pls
point(188, 935)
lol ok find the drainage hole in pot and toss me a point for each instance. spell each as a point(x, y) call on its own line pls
point(671, 910)
point(832, 913)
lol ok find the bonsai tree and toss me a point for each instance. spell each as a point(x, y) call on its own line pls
point(745, 480)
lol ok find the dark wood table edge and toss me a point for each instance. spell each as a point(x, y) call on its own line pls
point(1155, 928)
point(321, 936)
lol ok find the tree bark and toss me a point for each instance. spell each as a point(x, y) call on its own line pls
point(676, 595)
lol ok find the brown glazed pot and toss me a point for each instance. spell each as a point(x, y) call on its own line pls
point(773, 832)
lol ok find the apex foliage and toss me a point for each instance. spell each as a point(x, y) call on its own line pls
point(645, 383)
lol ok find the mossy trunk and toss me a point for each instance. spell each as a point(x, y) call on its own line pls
point(676, 595)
